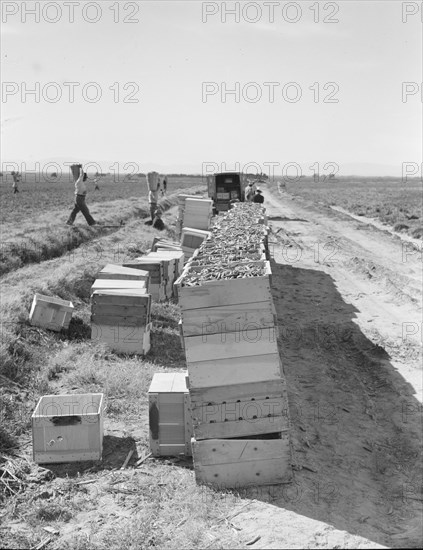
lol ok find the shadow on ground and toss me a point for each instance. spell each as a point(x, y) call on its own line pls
point(115, 451)
point(285, 219)
point(356, 433)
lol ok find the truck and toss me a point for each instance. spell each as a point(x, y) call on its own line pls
point(225, 187)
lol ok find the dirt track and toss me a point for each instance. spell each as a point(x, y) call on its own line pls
point(348, 298)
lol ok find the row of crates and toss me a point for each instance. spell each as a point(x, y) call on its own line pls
point(164, 267)
point(69, 428)
point(238, 406)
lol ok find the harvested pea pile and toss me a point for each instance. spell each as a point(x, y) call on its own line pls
point(235, 249)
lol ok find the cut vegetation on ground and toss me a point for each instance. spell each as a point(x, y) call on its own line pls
point(347, 305)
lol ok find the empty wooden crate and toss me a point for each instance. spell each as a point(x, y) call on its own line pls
point(114, 271)
point(198, 213)
point(51, 313)
point(68, 428)
point(191, 239)
point(169, 415)
point(118, 284)
point(121, 319)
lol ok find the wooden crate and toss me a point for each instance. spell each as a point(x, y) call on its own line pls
point(179, 258)
point(225, 292)
point(193, 238)
point(168, 264)
point(235, 370)
point(133, 298)
point(244, 343)
point(68, 428)
point(76, 171)
point(242, 463)
point(113, 271)
point(117, 284)
point(154, 267)
point(169, 415)
point(165, 244)
point(228, 318)
point(123, 338)
point(51, 313)
point(153, 181)
point(240, 410)
point(198, 213)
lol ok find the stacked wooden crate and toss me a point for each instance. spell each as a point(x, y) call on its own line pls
point(173, 262)
point(157, 269)
point(198, 213)
point(120, 309)
point(164, 244)
point(181, 212)
point(236, 383)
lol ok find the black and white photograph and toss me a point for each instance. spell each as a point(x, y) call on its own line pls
point(211, 274)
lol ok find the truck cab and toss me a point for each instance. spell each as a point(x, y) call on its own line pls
point(225, 187)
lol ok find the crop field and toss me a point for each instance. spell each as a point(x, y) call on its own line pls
point(33, 221)
point(57, 194)
point(397, 204)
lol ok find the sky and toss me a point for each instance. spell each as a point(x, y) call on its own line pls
point(316, 86)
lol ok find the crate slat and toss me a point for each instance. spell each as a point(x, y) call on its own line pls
point(228, 318)
point(128, 298)
point(261, 341)
point(118, 284)
point(236, 370)
point(123, 273)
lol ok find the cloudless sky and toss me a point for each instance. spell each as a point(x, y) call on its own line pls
point(173, 50)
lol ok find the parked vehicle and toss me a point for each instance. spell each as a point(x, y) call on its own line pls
point(225, 187)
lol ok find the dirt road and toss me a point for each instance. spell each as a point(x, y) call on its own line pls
point(348, 298)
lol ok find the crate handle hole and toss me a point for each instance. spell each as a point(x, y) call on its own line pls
point(66, 420)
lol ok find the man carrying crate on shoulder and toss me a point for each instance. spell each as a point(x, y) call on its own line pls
point(80, 195)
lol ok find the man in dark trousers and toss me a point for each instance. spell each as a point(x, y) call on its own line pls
point(80, 205)
point(258, 197)
point(16, 177)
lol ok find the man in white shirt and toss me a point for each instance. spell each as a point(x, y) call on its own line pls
point(80, 205)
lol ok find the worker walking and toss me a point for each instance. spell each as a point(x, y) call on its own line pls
point(80, 204)
point(258, 197)
point(16, 179)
